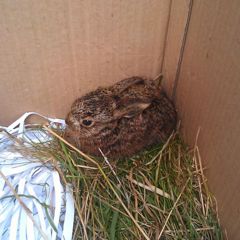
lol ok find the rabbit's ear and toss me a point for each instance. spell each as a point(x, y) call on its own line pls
point(131, 110)
point(127, 83)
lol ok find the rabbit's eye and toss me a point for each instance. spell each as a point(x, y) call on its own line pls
point(87, 122)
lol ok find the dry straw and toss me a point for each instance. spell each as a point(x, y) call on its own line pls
point(158, 194)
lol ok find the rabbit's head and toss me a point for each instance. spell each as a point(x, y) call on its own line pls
point(91, 113)
point(101, 109)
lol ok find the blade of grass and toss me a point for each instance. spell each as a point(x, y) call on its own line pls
point(114, 225)
point(170, 213)
point(150, 188)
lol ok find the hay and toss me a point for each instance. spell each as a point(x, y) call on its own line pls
point(161, 193)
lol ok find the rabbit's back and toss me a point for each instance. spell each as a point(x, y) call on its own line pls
point(154, 125)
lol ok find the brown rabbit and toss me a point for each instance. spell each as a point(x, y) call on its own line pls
point(121, 119)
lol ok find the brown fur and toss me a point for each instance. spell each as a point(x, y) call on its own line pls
point(125, 118)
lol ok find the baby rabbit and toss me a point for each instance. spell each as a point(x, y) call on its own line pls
point(121, 119)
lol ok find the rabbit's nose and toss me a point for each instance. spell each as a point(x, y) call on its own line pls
point(68, 119)
point(71, 120)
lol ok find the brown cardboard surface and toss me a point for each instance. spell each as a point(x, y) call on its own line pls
point(53, 51)
point(208, 96)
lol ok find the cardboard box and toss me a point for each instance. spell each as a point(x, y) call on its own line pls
point(51, 52)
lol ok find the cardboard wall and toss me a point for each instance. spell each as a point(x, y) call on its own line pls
point(208, 96)
point(51, 52)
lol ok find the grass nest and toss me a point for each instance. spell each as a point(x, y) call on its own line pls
point(161, 193)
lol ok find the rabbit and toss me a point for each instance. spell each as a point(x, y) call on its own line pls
point(121, 119)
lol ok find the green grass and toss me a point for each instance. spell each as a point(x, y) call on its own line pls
point(123, 199)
